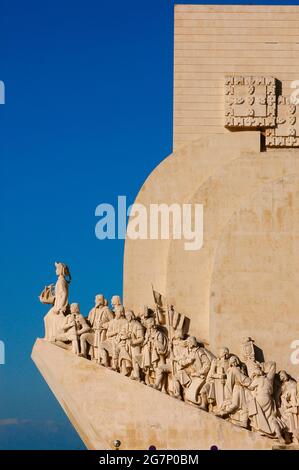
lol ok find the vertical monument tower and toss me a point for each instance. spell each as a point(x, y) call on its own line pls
point(236, 151)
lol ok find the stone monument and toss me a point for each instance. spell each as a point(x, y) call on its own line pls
point(206, 358)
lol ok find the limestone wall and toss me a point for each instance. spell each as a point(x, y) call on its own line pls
point(212, 41)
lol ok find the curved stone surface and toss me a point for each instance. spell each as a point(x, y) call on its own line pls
point(188, 276)
point(175, 180)
point(255, 279)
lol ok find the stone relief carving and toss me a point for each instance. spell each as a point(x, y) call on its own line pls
point(286, 132)
point(252, 102)
point(154, 348)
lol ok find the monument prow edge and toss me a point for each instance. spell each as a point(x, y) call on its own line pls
point(104, 406)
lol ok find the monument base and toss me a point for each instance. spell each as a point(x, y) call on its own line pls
point(105, 406)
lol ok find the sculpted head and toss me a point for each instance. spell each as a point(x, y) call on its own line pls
point(58, 269)
point(115, 301)
point(99, 300)
point(62, 270)
point(191, 342)
point(119, 312)
point(150, 322)
point(75, 308)
point(130, 315)
point(234, 361)
point(283, 376)
point(223, 353)
point(257, 372)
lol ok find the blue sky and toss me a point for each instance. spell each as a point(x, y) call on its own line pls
point(88, 115)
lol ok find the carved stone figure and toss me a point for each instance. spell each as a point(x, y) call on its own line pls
point(288, 403)
point(247, 348)
point(262, 413)
point(73, 327)
point(248, 355)
point(56, 315)
point(134, 341)
point(216, 379)
point(154, 352)
point(98, 319)
point(115, 302)
point(115, 328)
point(128, 347)
point(192, 373)
point(237, 397)
point(178, 352)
